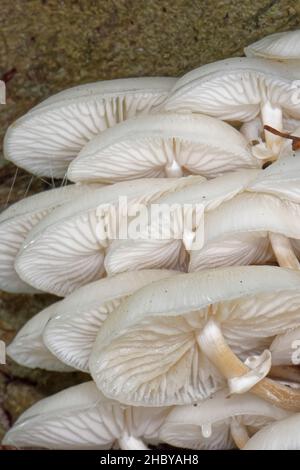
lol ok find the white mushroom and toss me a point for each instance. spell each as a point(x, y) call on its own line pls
point(162, 145)
point(279, 46)
point(281, 435)
point(240, 89)
point(259, 226)
point(28, 348)
point(227, 233)
point(81, 418)
point(69, 328)
point(49, 136)
point(17, 221)
point(67, 249)
point(250, 229)
point(285, 348)
point(179, 340)
point(171, 252)
point(222, 421)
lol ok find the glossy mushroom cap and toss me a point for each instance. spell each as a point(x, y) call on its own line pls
point(28, 348)
point(67, 249)
point(208, 424)
point(163, 145)
point(81, 417)
point(49, 136)
point(147, 351)
point(281, 435)
point(76, 320)
point(17, 221)
point(278, 46)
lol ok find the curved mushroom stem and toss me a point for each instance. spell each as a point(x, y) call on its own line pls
point(272, 116)
point(214, 346)
point(283, 251)
point(239, 433)
point(127, 442)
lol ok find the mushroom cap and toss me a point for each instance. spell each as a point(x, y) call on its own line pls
point(147, 350)
point(50, 135)
point(281, 179)
point(234, 89)
point(28, 347)
point(280, 435)
point(237, 233)
point(17, 221)
point(76, 320)
point(123, 255)
point(183, 426)
point(280, 46)
point(81, 417)
point(145, 146)
point(285, 346)
point(65, 251)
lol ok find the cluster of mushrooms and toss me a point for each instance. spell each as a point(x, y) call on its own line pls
point(196, 348)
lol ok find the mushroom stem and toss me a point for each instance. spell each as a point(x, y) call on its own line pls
point(286, 372)
point(239, 433)
point(283, 251)
point(173, 170)
point(272, 116)
point(127, 442)
point(214, 346)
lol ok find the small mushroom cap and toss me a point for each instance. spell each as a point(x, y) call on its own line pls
point(281, 179)
point(49, 136)
point(76, 320)
point(145, 146)
point(17, 221)
point(237, 232)
point(234, 89)
point(282, 46)
point(124, 255)
point(285, 348)
point(147, 350)
point(28, 347)
point(184, 424)
point(65, 251)
point(81, 417)
point(280, 435)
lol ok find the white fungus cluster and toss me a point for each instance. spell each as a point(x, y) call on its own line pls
point(189, 345)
